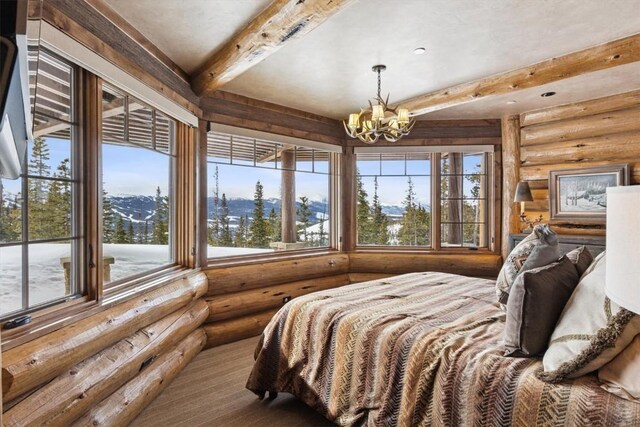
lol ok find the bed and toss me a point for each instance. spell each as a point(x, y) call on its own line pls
point(418, 349)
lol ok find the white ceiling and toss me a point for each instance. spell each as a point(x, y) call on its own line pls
point(328, 71)
point(188, 31)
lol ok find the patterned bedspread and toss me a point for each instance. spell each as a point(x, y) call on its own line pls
point(418, 349)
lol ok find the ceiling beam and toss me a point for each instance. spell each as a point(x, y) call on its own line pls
point(281, 22)
point(600, 57)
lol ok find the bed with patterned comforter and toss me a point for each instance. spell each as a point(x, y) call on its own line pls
point(418, 349)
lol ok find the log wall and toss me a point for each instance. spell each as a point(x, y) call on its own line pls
point(89, 372)
point(242, 299)
point(580, 135)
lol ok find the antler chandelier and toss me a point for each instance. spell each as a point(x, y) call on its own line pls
point(379, 119)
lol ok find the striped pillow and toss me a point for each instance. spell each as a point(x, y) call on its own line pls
point(591, 331)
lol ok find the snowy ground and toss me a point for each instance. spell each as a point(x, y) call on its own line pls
point(46, 274)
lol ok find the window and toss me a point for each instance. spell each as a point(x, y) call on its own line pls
point(266, 196)
point(425, 199)
point(463, 199)
point(40, 214)
point(137, 172)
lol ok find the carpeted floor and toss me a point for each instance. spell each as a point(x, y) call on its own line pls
point(210, 392)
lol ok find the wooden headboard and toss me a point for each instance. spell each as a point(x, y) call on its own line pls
point(595, 244)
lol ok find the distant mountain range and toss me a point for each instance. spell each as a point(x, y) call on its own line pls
point(142, 208)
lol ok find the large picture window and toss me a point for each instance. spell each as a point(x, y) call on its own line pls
point(40, 219)
point(422, 199)
point(265, 196)
point(137, 175)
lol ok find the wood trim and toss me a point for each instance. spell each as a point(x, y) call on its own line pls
point(201, 195)
point(91, 129)
point(253, 114)
point(348, 223)
point(470, 264)
point(105, 10)
point(409, 141)
point(495, 228)
point(539, 172)
point(581, 109)
point(614, 147)
point(217, 101)
point(185, 196)
point(103, 329)
point(244, 303)
point(51, 319)
point(68, 25)
point(427, 129)
point(228, 279)
point(280, 23)
point(510, 178)
point(228, 331)
point(582, 127)
point(611, 54)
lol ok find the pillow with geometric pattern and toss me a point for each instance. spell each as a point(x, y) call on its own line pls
point(541, 246)
point(591, 331)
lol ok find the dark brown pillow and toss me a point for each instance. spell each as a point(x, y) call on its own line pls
point(536, 301)
point(581, 259)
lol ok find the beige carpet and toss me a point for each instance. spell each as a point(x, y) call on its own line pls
point(210, 392)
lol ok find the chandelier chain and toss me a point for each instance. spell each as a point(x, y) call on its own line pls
point(379, 83)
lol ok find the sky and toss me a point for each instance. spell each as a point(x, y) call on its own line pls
point(138, 171)
point(240, 181)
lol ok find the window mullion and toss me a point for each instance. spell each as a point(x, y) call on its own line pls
point(436, 193)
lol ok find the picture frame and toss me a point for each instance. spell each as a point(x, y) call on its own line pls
point(580, 194)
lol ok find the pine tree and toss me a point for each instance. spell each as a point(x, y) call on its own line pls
point(119, 235)
point(379, 222)
point(146, 232)
point(139, 235)
point(304, 216)
point(130, 234)
point(159, 233)
point(363, 213)
point(241, 234)
point(258, 227)
point(7, 219)
point(213, 237)
point(407, 235)
point(274, 226)
point(38, 166)
point(323, 238)
point(225, 233)
point(58, 203)
point(108, 221)
point(39, 225)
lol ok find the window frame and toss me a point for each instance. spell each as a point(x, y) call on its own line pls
point(86, 165)
point(78, 232)
point(333, 199)
point(128, 283)
point(492, 160)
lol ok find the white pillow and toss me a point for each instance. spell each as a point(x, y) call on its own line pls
point(591, 331)
point(621, 376)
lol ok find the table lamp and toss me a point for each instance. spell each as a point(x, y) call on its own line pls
point(623, 247)
point(523, 194)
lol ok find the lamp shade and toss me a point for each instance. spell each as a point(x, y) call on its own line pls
point(523, 192)
point(623, 247)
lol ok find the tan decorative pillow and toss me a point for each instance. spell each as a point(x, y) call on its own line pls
point(581, 258)
point(591, 331)
point(621, 376)
point(541, 236)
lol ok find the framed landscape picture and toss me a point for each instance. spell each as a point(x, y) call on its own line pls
point(581, 194)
